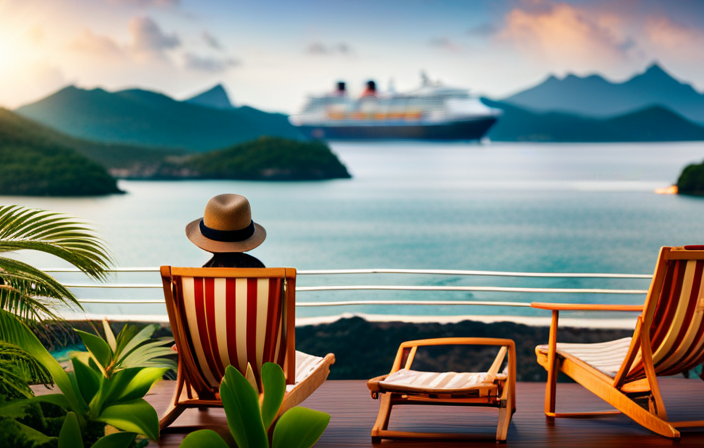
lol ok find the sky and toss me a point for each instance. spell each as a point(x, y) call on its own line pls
point(271, 54)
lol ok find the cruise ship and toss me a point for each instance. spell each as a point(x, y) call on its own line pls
point(431, 112)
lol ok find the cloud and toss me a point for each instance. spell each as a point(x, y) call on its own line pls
point(211, 41)
point(675, 39)
point(148, 38)
point(565, 36)
point(483, 30)
point(444, 43)
point(318, 48)
point(88, 42)
point(209, 64)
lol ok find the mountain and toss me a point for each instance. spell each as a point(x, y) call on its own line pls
point(597, 97)
point(216, 98)
point(653, 123)
point(142, 117)
point(35, 164)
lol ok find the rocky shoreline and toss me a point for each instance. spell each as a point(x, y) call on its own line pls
point(366, 349)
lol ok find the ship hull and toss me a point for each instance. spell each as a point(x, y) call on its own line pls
point(452, 131)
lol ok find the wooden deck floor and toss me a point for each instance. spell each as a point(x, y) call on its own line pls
point(354, 412)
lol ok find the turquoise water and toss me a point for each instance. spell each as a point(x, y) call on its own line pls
point(509, 207)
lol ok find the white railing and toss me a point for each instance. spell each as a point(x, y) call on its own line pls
point(386, 287)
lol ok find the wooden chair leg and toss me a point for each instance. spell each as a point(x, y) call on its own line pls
point(551, 386)
point(171, 414)
point(382, 420)
point(505, 413)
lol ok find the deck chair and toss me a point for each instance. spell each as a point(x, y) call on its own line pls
point(235, 316)
point(668, 340)
point(403, 386)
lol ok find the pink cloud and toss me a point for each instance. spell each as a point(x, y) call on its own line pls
point(564, 36)
point(674, 39)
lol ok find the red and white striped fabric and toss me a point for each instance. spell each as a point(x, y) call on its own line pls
point(440, 382)
point(677, 335)
point(677, 331)
point(233, 321)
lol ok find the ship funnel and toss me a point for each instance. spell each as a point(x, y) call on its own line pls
point(341, 88)
point(370, 90)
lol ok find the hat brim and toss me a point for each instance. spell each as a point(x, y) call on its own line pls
point(197, 238)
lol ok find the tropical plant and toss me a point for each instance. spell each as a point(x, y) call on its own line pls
point(28, 292)
point(16, 366)
point(89, 393)
point(131, 348)
point(71, 436)
point(249, 422)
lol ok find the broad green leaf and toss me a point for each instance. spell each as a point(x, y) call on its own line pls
point(88, 379)
point(205, 438)
point(134, 416)
point(274, 385)
point(241, 405)
point(109, 335)
point(70, 435)
point(117, 440)
point(57, 399)
point(111, 388)
point(140, 384)
point(131, 338)
point(249, 374)
point(123, 338)
point(15, 332)
point(300, 428)
point(97, 347)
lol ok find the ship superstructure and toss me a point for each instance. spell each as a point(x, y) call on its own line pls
point(431, 112)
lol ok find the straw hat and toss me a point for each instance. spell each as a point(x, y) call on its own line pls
point(226, 226)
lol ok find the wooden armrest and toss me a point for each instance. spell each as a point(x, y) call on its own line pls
point(584, 307)
point(373, 384)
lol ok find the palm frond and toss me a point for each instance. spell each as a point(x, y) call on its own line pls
point(28, 292)
point(18, 368)
point(56, 234)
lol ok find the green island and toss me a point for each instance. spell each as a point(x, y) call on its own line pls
point(36, 166)
point(691, 181)
point(39, 161)
point(267, 158)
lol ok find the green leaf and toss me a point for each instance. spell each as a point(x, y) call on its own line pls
point(57, 399)
point(111, 388)
point(109, 335)
point(205, 438)
point(16, 409)
point(140, 384)
point(130, 338)
point(300, 428)
point(97, 347)
point(88, 380)
point(15, 332)
point(274, 384)
point(134, 416)
point(70, 435)
point(241, 405)
point(117, 440)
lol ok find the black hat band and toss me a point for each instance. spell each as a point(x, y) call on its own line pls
point(227, 236)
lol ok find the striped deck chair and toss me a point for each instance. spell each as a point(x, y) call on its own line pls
point(403, 386)
point(668, 340)
point(234, 316)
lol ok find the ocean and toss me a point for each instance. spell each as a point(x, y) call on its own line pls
point(497, 207)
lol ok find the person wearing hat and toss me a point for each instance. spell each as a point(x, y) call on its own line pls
point(227, 231)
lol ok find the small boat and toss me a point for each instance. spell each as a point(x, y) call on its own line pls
point(431, 112)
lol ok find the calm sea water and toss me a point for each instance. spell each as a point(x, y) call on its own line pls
point(509, 207)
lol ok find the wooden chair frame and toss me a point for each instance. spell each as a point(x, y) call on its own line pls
point(192, 390)
point(506, 402)
point(619, 391)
